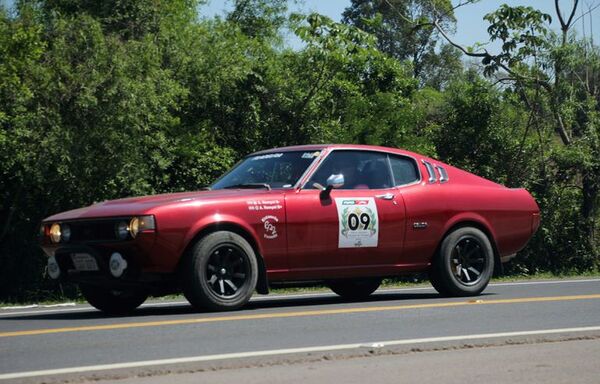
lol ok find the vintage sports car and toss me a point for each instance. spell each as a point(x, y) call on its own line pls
point(343, 215)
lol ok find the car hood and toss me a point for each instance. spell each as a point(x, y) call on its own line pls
point(140, 205)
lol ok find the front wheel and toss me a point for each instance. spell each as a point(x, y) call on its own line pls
point(464, 263)
point(220, 272)
point(112, 301)
point(355, 289)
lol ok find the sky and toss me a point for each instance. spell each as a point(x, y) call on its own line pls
point(470, 28)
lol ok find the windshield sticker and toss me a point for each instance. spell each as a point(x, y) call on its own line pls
point(310, 155)
point(268, 156)
point(270, 227)
point(263, 205)
point(358, 222)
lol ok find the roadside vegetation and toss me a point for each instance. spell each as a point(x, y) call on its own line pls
point(100, 100)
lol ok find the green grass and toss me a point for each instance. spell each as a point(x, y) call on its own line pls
point(546, 276)
point(387, 283)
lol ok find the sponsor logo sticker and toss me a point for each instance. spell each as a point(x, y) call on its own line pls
point(310, 155)
point(270, 227)
point(267, 156)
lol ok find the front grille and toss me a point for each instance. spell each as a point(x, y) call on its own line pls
point(94, 230)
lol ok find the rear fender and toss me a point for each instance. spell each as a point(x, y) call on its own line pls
point(472, 219)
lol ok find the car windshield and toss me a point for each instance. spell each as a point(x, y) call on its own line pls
point(270, 170)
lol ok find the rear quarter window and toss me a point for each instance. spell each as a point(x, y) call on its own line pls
point(404, 169)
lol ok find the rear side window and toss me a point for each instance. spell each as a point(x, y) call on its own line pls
point(404, 170)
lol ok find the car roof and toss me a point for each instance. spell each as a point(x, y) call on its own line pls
point(318, 147)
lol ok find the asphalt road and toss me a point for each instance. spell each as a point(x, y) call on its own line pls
point(74, 343)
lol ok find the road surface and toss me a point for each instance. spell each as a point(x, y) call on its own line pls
point(527, 331)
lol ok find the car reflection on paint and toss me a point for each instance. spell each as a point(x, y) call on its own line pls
point(343, 215)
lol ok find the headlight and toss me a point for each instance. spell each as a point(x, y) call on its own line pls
point(55, 233)
point(122, 230)
point(65, 232)
point(140, 224)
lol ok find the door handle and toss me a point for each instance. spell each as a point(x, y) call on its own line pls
point(385, 196)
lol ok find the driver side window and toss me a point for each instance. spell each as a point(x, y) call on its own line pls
point(361, 170)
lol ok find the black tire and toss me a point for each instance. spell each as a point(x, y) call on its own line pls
point(112, 301)
point(220, 272)
point(355, 289)
point(464, 264)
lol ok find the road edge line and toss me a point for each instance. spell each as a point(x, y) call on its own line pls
point(286, 351)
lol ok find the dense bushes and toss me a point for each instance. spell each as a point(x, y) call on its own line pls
point(141, 97)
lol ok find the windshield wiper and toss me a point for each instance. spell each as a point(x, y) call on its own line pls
point(249, 186)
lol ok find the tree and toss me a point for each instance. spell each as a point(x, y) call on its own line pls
point(398, 26)
point(556, 77)
point(259, 18)
point(131, 19)
point(560, 67)
point(440, 69)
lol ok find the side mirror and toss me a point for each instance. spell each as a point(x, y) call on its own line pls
point(333, 181)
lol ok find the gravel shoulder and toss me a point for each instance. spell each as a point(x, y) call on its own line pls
point(556, 360)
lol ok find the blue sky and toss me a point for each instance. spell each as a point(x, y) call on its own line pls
point(471, 27)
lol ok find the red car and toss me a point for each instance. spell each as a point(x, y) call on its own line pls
point(344, 215)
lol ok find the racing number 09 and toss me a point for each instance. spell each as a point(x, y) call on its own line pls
point(354, 220)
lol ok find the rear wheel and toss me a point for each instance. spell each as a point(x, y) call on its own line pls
point(112, 301)
point(464, 263)
point(356, 288)
point(221, 272)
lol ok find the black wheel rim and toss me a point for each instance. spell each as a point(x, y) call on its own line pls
point(227, 271)
point(468, 261)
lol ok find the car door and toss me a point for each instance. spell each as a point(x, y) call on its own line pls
point(356, 228)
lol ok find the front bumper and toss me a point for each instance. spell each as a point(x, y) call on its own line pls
point(138, 253)
point(66, 255)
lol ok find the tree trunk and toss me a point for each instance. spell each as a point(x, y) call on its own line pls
point(589, 206)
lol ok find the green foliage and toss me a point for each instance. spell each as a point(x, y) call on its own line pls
point(522, 30)
point(100, 100)
point(261, 19)
point(482, 129)
point(556, 75)
point(403, 31)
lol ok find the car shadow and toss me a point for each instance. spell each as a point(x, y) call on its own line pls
point(261, 302)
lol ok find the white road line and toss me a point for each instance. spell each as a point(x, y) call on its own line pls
point(544, 282)
point(277, 352)
point(291, 296)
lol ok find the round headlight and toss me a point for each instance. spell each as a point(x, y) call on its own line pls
point(65, 232)
point(122, 230)
point(134, 226)
point(55, 233)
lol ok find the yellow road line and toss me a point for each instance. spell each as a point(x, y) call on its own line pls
point(296, 314)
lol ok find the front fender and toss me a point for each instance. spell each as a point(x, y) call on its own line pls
point(219, 220)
